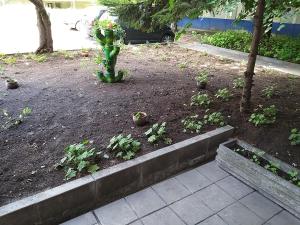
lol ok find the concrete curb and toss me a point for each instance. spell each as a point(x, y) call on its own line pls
point(266, 62)
point(270, 185)
point(84, 194)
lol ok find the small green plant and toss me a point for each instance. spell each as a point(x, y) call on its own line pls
point(79, 158)
point(273, 167)
point(293, 176)
point(124, 147)
point(40, 58)
point(215, 118)
point(183, 65)
point(264, 116)
point(295, 137)
point(238, 83)
point(192, 124)
point(158, 132)
point(200, 100)
point(9, 60)
point(11, 121)
point(269, 91)
point(202, 77)
point(255, 159)
point(67, 54)
point(223, 94)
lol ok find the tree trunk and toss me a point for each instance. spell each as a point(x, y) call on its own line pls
point(258, 28)
point(44, 26)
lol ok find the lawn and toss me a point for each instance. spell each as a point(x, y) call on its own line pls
point(70, 105)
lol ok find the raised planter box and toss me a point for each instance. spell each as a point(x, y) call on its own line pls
point(77, 197)
point(269, 184)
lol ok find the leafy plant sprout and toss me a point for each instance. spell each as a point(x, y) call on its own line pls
point(223, 94)
point(273, 167)
point(264, 116)
point(12, 121)
point(202, 77)
point(200, 100)
point(269, 91)
point(79, 158)
point(192, 124)
point(124, 147)
point(158, 132)
point(215, 118)
point(238, 83)
point(295, 137)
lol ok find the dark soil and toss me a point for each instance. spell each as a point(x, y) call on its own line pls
point(70, 105)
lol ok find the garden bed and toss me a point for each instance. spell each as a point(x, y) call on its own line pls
point(70, 105)
point(270, 176)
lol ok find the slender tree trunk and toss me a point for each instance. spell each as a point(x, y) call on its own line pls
point(258, 28)
point(44, 26)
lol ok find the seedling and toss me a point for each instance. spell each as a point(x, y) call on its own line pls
point(293, 176)
point(215, 118)
point(183, 65)
point(273, 167)
point(295, 137)
point(158, 132)
point(255, 159)
point(124, 147)
point(200, 100)
point(238, 83)
point(223, 94)
point(202, 79)
point(15, 121)
point(192, 124)
point(264, 116)
point(78, 158)
point(268, 92)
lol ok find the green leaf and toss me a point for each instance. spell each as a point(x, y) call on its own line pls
point(152, 139)
point(82, 165)
point(93, 168)
point(70, 174)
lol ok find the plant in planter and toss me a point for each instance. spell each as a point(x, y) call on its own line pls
point(264, 116)
point(223, 94)
point(108, 34)
point(200, 100)
point(124, 147)
point(79, 158)
point(139, 118)
point(192, 124)
point(295, 137)
point(11, 84)
point(158, 132)
point(202, 79)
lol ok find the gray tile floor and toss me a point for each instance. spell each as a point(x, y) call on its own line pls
point(206, 195)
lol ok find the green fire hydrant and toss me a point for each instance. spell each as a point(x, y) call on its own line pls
point(111, 52)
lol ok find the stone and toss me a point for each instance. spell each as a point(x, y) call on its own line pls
point(164, 216)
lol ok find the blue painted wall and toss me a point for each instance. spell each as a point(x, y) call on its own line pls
point(226, 24)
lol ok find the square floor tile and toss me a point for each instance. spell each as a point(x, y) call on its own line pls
point(260, 205)
point(193, 180)
point(191, 210)
point(171, 190)
point(212, 171)
point(237, 214)
point(164, 216)
point(284, 218)
point(215, 198)
point(85, 219)
point(234, 187)
point(145, 202)
point(115, 213)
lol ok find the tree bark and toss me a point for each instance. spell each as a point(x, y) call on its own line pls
point(245, 104)
point(44, 26)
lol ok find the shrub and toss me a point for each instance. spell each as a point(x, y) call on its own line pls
point(295, 137)
point(124, 147)
point(280, 47)
point(192, 124)
point(200, 100)
point(264, 116)
point(78, 158)
point(223, 94)
point(158, 132)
